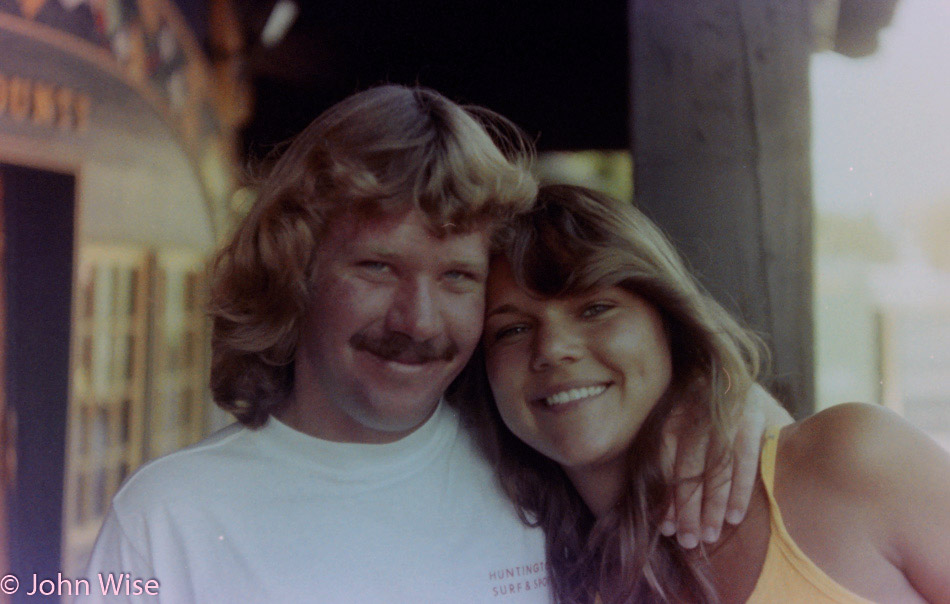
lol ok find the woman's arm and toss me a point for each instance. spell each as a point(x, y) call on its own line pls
point(897, 476)
point(917, 500)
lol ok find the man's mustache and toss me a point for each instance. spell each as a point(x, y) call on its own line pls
point(396, 346)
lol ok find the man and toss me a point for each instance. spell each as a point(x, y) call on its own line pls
point(345, 304)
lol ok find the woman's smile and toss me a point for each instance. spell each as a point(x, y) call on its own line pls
point(563, 395)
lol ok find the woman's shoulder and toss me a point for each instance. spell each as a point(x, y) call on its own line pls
point(834, 475)
point(858, 475)
point(850, 421)
point(856, 448)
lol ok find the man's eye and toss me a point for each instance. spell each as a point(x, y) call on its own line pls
point(373, 265)
point(592, 310)
point(461, 276)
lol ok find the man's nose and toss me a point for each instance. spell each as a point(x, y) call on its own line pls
point(415, 311)
point(554, 345)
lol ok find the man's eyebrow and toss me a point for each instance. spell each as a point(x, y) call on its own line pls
point(470, 264)
point(500, 310)
point(382, 252)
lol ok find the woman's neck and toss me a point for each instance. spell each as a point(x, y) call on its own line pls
point(599, 486)
point(736, 559)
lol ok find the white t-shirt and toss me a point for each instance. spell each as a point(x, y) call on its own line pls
point(274, 515)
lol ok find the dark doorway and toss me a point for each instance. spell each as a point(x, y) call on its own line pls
point(38, 224)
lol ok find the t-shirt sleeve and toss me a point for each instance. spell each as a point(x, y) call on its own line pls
point(119, 568)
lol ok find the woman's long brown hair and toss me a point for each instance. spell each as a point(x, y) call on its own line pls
point(576, 240)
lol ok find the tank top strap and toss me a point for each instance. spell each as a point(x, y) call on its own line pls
point(787, 573)
point(767, 469)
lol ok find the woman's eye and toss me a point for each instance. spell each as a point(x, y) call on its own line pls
point(509, 331)
point(592, 310)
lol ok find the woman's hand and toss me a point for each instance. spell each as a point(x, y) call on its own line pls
point(709, 491)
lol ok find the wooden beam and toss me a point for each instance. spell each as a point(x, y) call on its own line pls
point(720, 132)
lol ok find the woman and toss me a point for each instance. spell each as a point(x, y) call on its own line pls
point(594, 333)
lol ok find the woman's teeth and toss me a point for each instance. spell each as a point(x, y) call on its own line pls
point(574, 394)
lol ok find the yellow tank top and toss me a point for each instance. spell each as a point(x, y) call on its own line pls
point(788, 575)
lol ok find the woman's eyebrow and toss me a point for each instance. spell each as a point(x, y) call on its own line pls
point(504, 308)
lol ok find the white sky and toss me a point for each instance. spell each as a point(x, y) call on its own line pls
point(881, 124)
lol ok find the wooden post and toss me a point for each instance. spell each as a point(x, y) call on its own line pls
point(720, 132)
